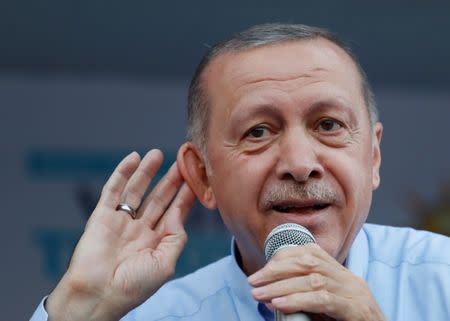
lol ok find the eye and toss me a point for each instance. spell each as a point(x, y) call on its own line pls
point(328, 125)
point(258, 132)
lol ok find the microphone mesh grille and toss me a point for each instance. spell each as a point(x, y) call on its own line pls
point(285, 235)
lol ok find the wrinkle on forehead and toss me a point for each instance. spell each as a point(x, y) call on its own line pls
point(252, 78)
point(286, 83)
point(256, 88)
point(239, 75)
point(285, 67)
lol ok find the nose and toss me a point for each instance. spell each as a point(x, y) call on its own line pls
point(298, 159)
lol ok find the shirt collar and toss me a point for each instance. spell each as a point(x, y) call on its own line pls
point(246, 305)
point(237, 279)
point(358, 257)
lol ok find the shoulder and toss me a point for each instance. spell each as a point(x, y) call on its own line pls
point(399, 245)
point(187, 296)
point(408, 268)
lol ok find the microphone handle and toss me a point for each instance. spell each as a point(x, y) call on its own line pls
point(280, 316)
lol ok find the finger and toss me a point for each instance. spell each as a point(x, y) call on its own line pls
point(285, 269)
point(170, 246)
point(141, 178)
point(319, 302)
point(270, 306)
point(175, 216)
point(161, 196)
point(309, 283)
point(295, 261)
point(172, 226)
point(115, 185)
point(295, 251)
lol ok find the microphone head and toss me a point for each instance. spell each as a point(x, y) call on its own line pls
point(285, 235)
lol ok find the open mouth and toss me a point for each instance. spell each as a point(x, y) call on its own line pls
point(295, 208)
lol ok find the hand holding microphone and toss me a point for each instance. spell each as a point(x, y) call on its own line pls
point(304, 281)
point(284, 236)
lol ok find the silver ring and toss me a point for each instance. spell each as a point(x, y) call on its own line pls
point(127, 209)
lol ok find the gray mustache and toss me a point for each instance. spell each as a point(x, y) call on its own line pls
point(291, 190)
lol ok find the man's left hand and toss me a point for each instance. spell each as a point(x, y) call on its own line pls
point(307, 279)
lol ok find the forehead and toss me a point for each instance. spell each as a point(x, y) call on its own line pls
point(234, 74)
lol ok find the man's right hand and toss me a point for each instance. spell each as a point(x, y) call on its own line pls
point(120, 262)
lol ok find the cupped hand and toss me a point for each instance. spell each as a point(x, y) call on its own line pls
point(119, 261)
point(307, 279)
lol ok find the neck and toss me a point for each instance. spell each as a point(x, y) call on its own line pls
point(248, 263)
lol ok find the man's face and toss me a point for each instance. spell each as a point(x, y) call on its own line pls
point(289, 140)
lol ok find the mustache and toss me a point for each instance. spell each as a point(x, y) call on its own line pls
point(291, 190)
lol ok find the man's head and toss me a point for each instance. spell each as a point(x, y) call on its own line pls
point(283, 130)
point(258, 36)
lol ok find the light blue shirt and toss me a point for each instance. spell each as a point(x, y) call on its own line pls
point(408, 272)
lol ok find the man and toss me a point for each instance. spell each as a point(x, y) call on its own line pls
point(283, 128)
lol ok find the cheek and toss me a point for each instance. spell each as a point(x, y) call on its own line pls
point(353, 173)
point(238, 180)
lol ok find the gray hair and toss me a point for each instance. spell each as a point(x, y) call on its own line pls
point(258, 36)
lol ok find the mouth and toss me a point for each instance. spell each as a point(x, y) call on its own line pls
point(301, 208)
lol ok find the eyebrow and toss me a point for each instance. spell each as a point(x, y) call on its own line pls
point(254, 111)
point(267, 109)
point(332, 104)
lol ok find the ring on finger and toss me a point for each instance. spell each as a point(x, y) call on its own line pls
point(127, 209)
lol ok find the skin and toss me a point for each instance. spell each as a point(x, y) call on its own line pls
point(288, 94)
point(288, 128)
point(119, 262)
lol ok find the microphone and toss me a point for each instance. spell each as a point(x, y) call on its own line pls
point(282, 236)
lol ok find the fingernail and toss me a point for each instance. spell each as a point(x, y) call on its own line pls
point(258, 292)
point(131, 155)
point(270, 306)
point(279, 301)
point(255, 277)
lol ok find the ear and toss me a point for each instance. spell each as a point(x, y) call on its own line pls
point(193, 169)
point(376, 155)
